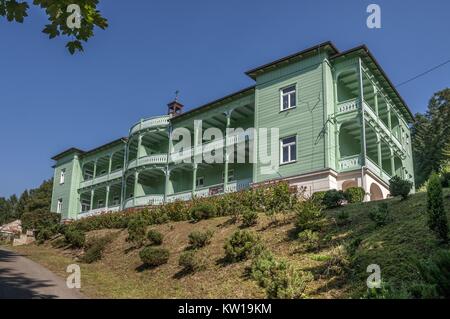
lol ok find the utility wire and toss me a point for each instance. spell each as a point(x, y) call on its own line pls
point(423, 73)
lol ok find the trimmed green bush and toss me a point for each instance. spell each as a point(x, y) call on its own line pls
point(399, 187)
point(318, 197)
point(437, 218)
point(354, 194)
point(191, 261)
point(380, 215)
point(308, 215)
point(75, 237)
point(310, 239)
point(199, 239)
point(240, 245)
point(333, 198)
point(435, 272)
point(155, 237)
point(280, 279)
point(153, 257)
point(202, 211)
point(136, 231)
point(249, 218)
point(94, 248)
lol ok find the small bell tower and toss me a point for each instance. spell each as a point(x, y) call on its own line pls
point(175, 108)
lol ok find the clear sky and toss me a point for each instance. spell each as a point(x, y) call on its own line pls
point(51, 100)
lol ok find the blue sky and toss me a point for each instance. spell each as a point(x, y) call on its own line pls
point(51, 100)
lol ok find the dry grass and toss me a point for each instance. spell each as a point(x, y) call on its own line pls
point(395, 247)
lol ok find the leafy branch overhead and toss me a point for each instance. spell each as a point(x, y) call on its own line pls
point(62, 18)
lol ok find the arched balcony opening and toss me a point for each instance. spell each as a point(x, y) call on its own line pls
point(369, 92)
point(154, 143)
point(129, 186)
point(133, 148)
point(85, 201)
point(117, 161)
point(350, 139)
point(398, 166)
point(88, 171)
point(395, 126)
point(386, 162)
point(150, 182)
point(102, 166)
point(371, 144)
point(347, 86)
point(383, 111)
point(180, 179)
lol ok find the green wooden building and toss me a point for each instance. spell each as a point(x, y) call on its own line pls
point(334, 120)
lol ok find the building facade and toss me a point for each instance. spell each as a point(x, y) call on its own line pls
point(325, 119)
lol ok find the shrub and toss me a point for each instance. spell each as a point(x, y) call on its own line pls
point(380, 215)
point(399, 187)
point(240, 245)
point(333, 198)
point(310, 239)
point(338, 263)
point(202, 211)
point(278, 277)
point(136, 231)
point(153, 257)
point(318, 197)
point(94, 248)
point(354, 194)
point(75, 237)
point(308, 215)
point(343, 218)
point(191, 261)
point(175, 211)
point(249, 218)
point(155, 237)
point(198, 239)
point(45, 224)
point(445, 179)
point(437, 218)
point(435, 272)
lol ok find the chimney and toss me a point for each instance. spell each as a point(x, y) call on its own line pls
point(174, 107)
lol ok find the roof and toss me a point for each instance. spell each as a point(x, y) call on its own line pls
point(84, 153)
point(210, 104)
point(377, 67)
point(328, 45)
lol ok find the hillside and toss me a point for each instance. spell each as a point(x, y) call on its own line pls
point(395, 247)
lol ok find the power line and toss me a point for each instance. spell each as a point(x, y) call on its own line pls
point(423, 73)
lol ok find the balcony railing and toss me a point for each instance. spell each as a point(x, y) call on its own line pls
point(148, 160)
point(102, 179)
point(347, 106)
point(350, 163)
point(145, 200)
point(99, 211)
point(186, 195)
point(149, 123)
point(378, 170)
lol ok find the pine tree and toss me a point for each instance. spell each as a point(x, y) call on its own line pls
point(437, 218)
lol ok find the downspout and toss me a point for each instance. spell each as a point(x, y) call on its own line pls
point(363, 125)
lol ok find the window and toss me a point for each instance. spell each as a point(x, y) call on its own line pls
point(85, 206)
point(288, 98)
point(88, 174)
point(230, 175)
point(199, 182)
point(59, 206)
point(100, 203)
point(62, 176)
point(288, 150)
point(116, 200)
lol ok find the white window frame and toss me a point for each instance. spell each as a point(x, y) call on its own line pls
point(282, 145)
point(85, 204)
point(293, 88)
point(116, 200)
point(62, 176)
point(101, 203)
point(197, 181)
point(59, 206)
point(230, 175)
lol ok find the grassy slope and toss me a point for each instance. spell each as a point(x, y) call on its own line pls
point(395, 247)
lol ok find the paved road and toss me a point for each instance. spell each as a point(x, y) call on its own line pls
point(22, 278)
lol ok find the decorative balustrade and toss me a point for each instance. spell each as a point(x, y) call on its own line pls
point(148, 160)
point(348, 106)
point(187, 195)
point(149, 123)
point(102, 179)
point(349, 163)
point(98, 211)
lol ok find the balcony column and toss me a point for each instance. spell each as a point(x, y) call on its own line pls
point(375, 92)
point(194, 178)
point(91, 204)
point(136, 177)
point(392, 162)
point(389, 117)
point(138, 153)
point(166, 185)
point(107, 198)
point(362, 111)
point(110, 164)
point(380, 158)
point(95, 169)
point(227, 154)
